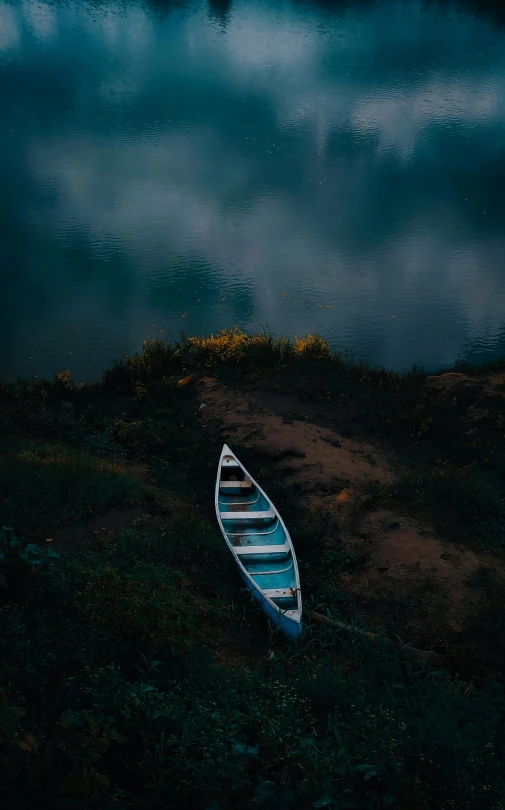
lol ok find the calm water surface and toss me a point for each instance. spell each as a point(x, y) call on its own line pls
point(328, 167)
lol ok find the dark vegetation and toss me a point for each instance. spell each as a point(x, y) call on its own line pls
point(134, 673)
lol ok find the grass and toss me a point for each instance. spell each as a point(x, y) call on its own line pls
point(132, 711)
point(333, 442)
point(464, 504)
point(43, 483)
point(111, 694)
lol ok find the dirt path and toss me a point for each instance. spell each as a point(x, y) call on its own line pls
point(314, 457)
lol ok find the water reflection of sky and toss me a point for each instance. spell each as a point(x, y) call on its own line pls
point(187, 165)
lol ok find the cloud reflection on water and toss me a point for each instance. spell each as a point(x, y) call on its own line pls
point(279, 151)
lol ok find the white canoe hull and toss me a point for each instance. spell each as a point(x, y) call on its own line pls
point(260, 543)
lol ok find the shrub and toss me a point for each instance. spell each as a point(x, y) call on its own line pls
point(312, 347)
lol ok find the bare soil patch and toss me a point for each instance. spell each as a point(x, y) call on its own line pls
point(316, 455)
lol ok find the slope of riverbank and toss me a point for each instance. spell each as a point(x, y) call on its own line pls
point(135, 672)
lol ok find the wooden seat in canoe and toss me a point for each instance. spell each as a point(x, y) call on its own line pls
point(267, 515)
point(224, 485)
point(262, 549)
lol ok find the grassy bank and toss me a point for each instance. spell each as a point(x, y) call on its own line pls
point(134, 672)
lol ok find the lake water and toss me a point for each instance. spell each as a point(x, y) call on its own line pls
point(322, 167)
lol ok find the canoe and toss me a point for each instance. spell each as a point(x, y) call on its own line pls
point(258, 539)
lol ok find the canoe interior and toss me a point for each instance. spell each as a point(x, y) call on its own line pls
point(272, 571)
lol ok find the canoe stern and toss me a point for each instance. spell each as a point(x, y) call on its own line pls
point(289, 622)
